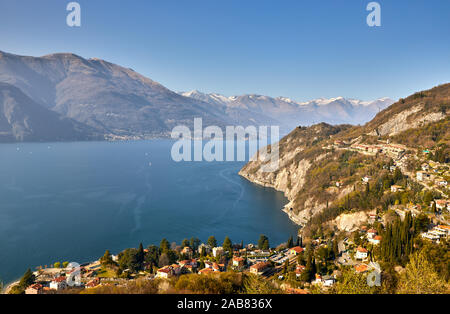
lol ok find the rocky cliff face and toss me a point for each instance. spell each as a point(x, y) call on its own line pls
point(308, 171)
point(299, 151)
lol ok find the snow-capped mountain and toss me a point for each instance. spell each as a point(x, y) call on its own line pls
point(291, 113)
point(93, 97)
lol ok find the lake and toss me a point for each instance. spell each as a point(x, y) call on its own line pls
point(72, 201)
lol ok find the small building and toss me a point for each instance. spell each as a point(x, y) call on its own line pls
point(59, 283)
point(259, 268)
point(396, 188)
point(328, 281)
point(187, 251)
point(443, 228)
point(205, 271)
point(217, 267)
point(295, 250)
point(422, 175)
point(375, 240)
point(217, 251)
point(361, 268)
point(442, 204)
point(35, 289)
point(318, 279)
point(165, 272)
point(361, 253)
point(238, 262)
point(176, 269)
point(299, 270)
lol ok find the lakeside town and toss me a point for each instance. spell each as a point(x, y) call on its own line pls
point(299, 266)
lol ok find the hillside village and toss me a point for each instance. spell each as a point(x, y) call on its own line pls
point(297, 266)
point(365, 205)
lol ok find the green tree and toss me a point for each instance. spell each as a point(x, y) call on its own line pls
point(185, 243)
point(212, 242)
point(27, 279)
point(106, 259)
point(164, 246)
point(263, 242)
point(228, 245)
point(353, 283)
point(140, 255)
point(398, 175)
point(290, 242)
point(253, 284)
point(128, 259)
point(194, 243)
point(57, 265)
point(420, 277)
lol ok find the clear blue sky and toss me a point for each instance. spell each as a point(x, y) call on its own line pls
point(294, 48)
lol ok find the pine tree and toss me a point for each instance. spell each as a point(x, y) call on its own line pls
point(27, 279)
point(164, 246)
point(228, 245)
point(212, 242)
point(290, 242)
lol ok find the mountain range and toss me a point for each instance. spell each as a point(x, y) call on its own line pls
point(60, 97)
point(289, 113)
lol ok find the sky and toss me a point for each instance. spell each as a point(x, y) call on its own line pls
point(293, 48)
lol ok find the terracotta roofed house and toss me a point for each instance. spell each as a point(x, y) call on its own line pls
point(259, 268)
point(295, 250)
point(361, 253)
point(34, 289)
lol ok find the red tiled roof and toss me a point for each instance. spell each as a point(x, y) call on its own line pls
point(205, 270)
point(60, 279)
point(260, 266)
point(297, 249)
point(361, 268)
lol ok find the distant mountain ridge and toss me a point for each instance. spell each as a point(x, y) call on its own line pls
point(338, 110)
point(21, 119)
point(119, 103)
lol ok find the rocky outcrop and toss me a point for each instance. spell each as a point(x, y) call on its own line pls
point(296, 159)
point(405, 120)
point(352, 221)
point(306, 153)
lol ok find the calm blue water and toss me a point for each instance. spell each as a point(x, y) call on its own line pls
point(71, 201)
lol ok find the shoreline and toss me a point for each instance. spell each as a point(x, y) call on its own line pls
point(9, 286)
point(285, 209)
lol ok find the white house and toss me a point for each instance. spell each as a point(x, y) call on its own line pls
point(396, 188)
point(361, 253)
point(59, 283)
point(375, 240)
point(422, 175)
point(217, 251)
point(165, 272)
point(328, 281)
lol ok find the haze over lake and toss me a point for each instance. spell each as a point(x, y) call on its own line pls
point(72, 201)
